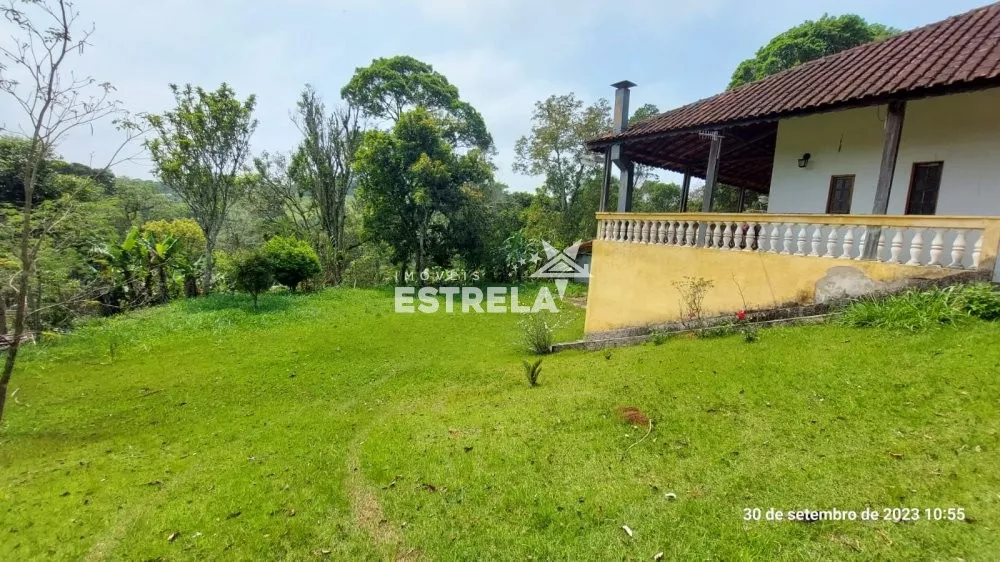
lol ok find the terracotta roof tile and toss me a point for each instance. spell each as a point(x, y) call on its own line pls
point(960, 52)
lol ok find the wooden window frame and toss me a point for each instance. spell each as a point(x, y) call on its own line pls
point(829, 193)
point(913, 178)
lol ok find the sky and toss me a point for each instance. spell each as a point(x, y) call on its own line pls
point(503, 55)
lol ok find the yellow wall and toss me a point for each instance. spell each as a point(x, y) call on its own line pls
point(631, 285)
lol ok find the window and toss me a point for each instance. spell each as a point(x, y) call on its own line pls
point(841, 190)
point(925, 183)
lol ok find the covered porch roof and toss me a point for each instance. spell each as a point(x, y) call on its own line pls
point(961, 53)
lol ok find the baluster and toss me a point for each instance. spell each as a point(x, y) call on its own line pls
point(661, 232)
point(750, 238)
point(738, 239)
point(958, 250)
point(786, 248)
point(916, 247)
point(602, 233)
point(774, 239)
point(848, 243)
point(881, 242)
point(727, 235)
point(817, 234)
point(937, 247)
point(644, 232)
point(800, 243)
point(977, 251)
point(716, 235)
point(670, 232)
point(896, 246)
point(650, 232)
point(617, 226)
point(831, 242)
point(689, 230)
point(861, 244)
point(633, 227)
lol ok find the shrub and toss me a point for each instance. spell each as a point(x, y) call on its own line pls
point(693, 291)
point(537, 333)
point(252, 273)
point(292, 260)
point(532, 370)
point(980, 300)
point(912, 310)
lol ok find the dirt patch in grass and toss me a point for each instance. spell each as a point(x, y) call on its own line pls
point(631, 415)
point(366, 511)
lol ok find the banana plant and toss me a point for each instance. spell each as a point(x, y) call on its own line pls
point(160, 254)
point(121, 261)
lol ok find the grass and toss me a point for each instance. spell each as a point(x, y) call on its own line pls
point(328, 426)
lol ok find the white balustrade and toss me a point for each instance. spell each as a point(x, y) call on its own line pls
point(958, 249)
point(937, 247)
point(831, 243)
point(948, 244)
point(916, 247)
point(848, 243)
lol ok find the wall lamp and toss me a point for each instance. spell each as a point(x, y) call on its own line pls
point(804, 161)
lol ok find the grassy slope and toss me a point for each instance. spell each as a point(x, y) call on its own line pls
point(329, 424)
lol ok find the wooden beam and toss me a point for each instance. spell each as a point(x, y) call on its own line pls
point(625, 186)
point(685, 191)
point(606, 186)
point(892, 132)
point(711, 172)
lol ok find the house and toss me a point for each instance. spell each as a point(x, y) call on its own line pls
point(881, 164)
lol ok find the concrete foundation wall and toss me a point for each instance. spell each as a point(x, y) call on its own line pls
point(633, 285)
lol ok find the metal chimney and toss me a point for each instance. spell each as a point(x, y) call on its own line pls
point(621, 105)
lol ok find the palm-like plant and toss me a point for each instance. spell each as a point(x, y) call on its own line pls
point(160, 254)
point(121, 262)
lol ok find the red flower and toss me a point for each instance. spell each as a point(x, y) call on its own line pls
point(741, 315)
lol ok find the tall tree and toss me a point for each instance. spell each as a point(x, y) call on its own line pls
point(410, 181)
point(323, 166)
point(389, 87)
point(54, 102)
point(809, 41)
point(200, 150)
point(555, 149)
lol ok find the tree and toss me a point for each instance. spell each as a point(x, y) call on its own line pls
point(409, 183)
point(54, 102)
point(657, 197)
point(809, 41)
point(138, 201)
point(292, 261)
point(555, 149)
point(389, 87)
point(323, 166)
point(252, 273)
point(200, 150)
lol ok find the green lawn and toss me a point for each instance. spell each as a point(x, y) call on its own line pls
point(327, 425)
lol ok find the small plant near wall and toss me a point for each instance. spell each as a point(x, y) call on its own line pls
point(747, 329)
point(693, 291)
point(537, 333)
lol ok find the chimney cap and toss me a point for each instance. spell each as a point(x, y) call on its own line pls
point(623, 84)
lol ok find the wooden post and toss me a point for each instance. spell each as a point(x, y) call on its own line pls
point(892, 132)
point(711, 172)
point(625, 186)
point(742, 201)
point(606, 187)
point(685, 191)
